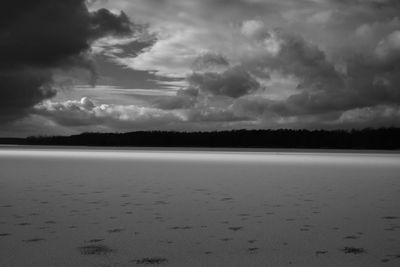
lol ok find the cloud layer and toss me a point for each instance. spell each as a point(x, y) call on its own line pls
point(37, 37)
point(228, 64)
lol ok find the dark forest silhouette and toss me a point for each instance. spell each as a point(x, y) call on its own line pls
point(384, 138)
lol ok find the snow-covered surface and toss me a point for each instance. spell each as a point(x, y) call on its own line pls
point(198, 208)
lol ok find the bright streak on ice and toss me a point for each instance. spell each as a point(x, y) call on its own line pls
point(209, 156)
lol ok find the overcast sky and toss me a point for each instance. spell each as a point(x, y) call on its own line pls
point(69, 66)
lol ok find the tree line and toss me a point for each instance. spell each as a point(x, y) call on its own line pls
point(383, 138)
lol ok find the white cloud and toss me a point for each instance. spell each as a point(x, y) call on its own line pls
point(87, 113)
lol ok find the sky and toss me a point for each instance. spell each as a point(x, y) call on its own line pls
point(75, 66)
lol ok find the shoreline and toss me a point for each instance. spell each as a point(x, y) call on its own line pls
point(202, 149)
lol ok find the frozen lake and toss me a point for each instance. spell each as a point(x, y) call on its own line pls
point(94, 207)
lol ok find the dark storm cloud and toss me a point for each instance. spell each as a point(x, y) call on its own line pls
point(307, 62)
point(234, 82)
point(21, 89)
point(103, 22)
point(37, 37)
point(367, 81)
point(295, 56)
